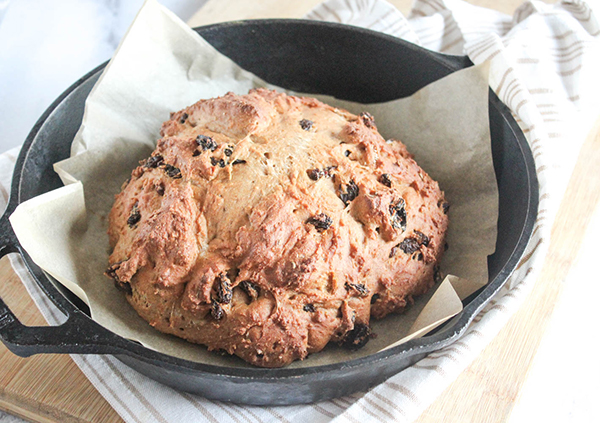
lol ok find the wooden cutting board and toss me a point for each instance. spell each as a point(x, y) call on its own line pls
point(51, 388)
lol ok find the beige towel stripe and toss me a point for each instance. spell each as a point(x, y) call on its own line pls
point(483, 44)
point(366, 410)
point(344, 400)
point(348, 5)
point(536, 229)
point(4, 193)
point(321, 410)
point(481, 31)
point(518, 286)
point(198, 406)
point(386, 28)
point(480, 43)
point(579, 50)
point(331, 11)
point(276, 414)
point(449, 356)
point(576, 10)
point(404, 391)
point(455, 346)
point(515, 93)
point(226, 409)
point(318, 15)
point(350, 418)
point(570, 46)
point(551, 14)
point(344, 408)
point(535, 141)
point(476, 333)
point(510, 87)
point(376, 405)
point(333, 402)
point(571, 58)
point(462, 344)
point(134, 391)
point(476, 52)
point(441, 4)
point(452, 348)
point(10, 156)
point(247, 410)
point(527, 256)
point(449, 29)
point(393, 27)
point(390, 24)
point(521, 104)
point(114, 395)
point(485, 27)
point(503, 79)
point(499, 307)
point(445, 351)
point(407, 30)
point(388, 402)
point(571, 72)
point(561, 36)
point(433, 33)
point(494, 54)
point(401, 27)
point(528, 60)
point(540, 91)
point(435, 5)
point(435, 368)
point(418, 12)
point(516, 90)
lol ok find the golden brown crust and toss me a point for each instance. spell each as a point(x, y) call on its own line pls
point(267, 225)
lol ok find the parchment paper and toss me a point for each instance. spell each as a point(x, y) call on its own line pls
point(163, 66)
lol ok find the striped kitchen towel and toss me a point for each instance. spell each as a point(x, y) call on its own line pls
point(544, 65)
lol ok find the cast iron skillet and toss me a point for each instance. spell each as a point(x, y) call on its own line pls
point(314, 57)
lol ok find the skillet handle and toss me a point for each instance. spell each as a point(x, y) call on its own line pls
point(78, 335)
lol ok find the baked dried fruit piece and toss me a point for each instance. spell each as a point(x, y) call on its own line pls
point(267, 226)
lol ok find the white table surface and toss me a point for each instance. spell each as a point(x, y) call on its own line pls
point(46, 46)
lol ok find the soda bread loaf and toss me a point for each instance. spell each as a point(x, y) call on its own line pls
point(266, 226)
